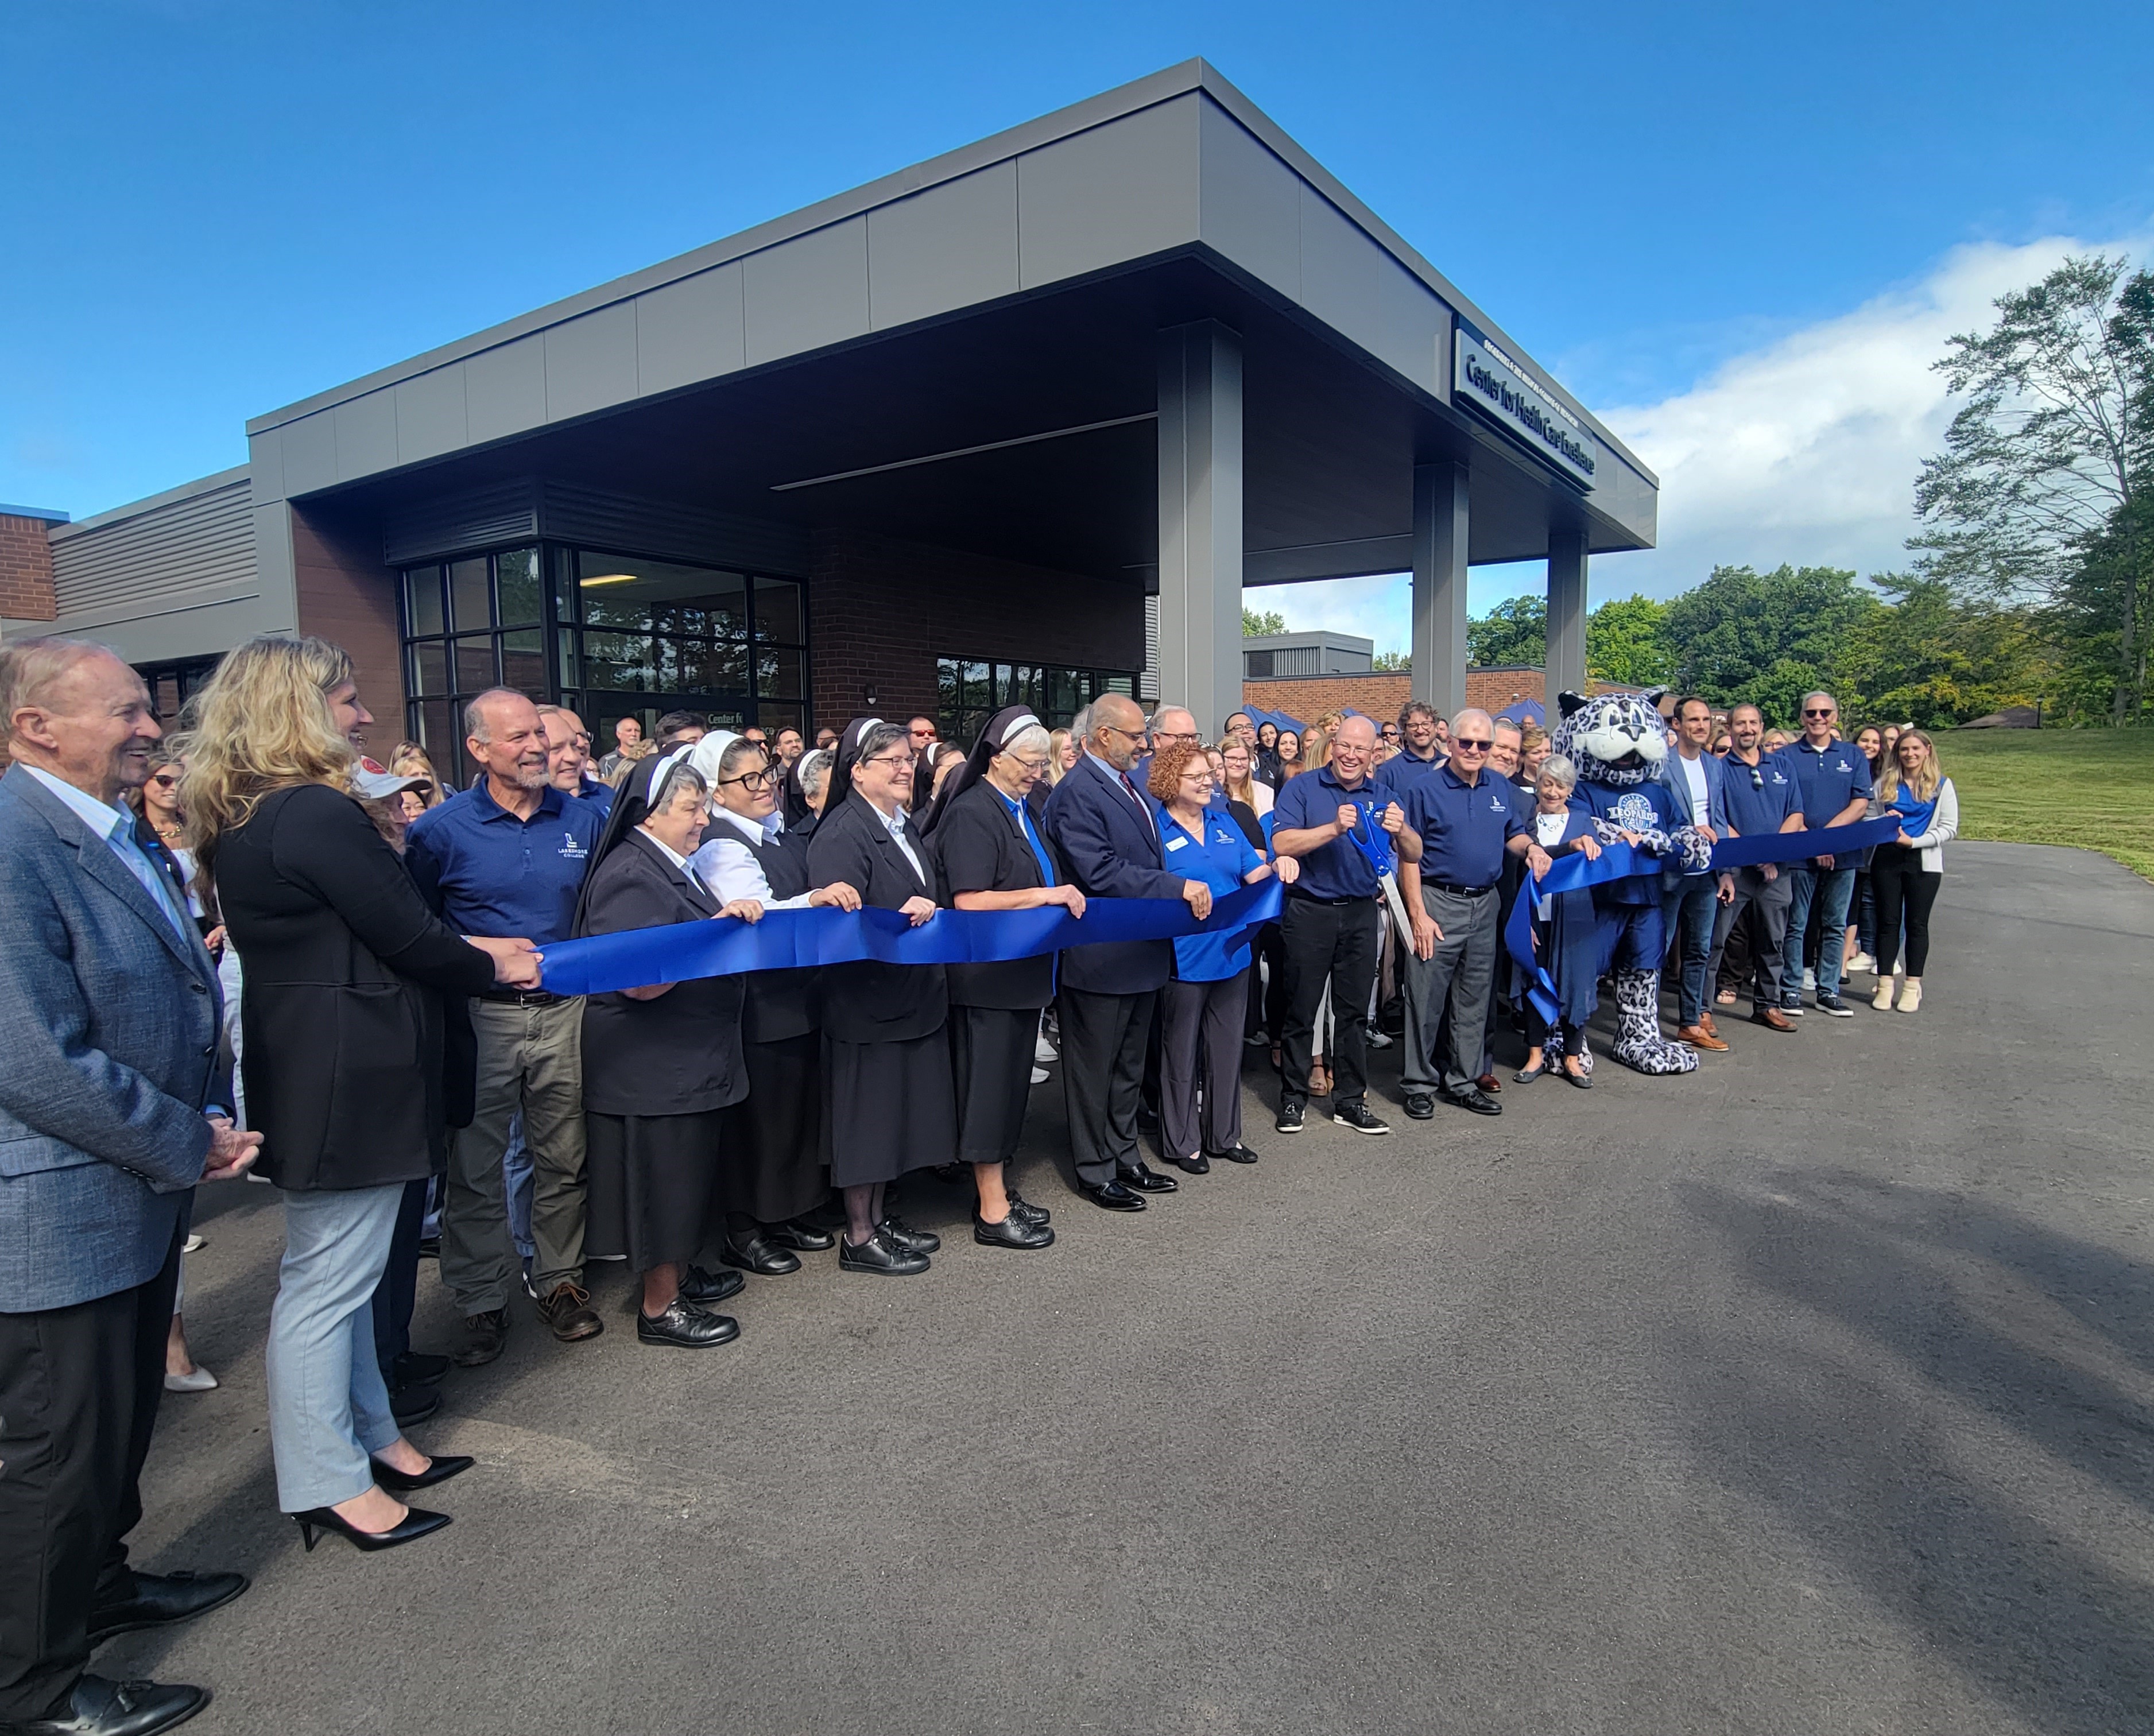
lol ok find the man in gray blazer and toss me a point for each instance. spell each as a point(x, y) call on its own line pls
point(1689, 902)
point(109, 1016)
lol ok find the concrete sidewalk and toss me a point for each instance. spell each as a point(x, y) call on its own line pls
point(1812, 1392)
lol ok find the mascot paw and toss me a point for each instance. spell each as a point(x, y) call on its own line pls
point(1656, 1056)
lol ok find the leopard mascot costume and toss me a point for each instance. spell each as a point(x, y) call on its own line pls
point(1618, 742)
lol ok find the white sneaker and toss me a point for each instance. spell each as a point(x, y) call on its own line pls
point(1860, 961)
point(1379, 1039)
point(1040, 1075)
point(1044, 1053)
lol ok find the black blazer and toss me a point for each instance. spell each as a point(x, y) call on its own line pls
point(681, 1054)
point(779, 1004)
point(1110, 849)
point(342, 1016)
point(870, 1002)
point(981, 848)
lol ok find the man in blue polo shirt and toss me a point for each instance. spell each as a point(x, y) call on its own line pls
point(1761, 797)
point(507, 857)
point(1330, 819)
point(1421, 748)
point(1833, 779)
point(1465, 819)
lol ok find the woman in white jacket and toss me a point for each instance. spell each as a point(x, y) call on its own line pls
point(1905, 875)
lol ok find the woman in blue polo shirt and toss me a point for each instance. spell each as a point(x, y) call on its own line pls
point(1206, 1003)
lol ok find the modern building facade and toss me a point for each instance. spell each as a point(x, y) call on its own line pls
point(1018, 423)
point(1266, 656)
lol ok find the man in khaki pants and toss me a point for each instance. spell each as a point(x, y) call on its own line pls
point(506, 860)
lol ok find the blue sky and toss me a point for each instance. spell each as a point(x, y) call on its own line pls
point(1701, 217)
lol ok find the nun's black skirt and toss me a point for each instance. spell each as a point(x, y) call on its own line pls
point(891, 1108)
point(654, 1187)
point(774, 1137)
point(992, 1048)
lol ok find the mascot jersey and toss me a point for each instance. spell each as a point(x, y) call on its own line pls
point(1646, 809)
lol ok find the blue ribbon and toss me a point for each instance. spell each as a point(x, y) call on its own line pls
point(791, 939)
point(1621, 862)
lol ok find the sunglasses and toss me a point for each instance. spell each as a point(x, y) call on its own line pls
point(164, 780)
point(1810, 711)
point(1466, 743)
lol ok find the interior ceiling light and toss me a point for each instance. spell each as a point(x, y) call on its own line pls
point(609, 579)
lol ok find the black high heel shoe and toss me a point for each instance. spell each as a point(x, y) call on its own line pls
point(445, 1466)
point(417, 1523)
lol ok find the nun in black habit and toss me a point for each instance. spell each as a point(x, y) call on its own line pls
point(660, 1064)
point(885, 1050)
point(993, 857)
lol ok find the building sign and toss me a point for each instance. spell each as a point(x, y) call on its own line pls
point(1481, 376)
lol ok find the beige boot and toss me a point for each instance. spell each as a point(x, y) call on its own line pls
point(1882, 1001)
point(1911, 995)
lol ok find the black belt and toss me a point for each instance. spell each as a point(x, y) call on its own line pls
point(1445, 885)
point(521, 997)
point(1311, 897)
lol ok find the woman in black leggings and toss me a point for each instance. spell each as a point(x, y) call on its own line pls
point(1905, 875)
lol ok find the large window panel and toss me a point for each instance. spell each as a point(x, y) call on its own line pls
point(778, 616)
point(471, 607)
point(523, 663)
point(516, 593)
point(429, 668)
point(620, 661)
point(781, 673)
point(422, 601)
point(474, 664)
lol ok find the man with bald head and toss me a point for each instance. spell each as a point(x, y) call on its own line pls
point(1338, 823)
point(1466, 817)
point(1107, 833)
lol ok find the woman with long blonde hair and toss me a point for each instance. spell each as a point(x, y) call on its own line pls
point(1904, 874)
point(342, 1055)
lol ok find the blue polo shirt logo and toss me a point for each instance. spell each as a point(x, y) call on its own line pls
point(570, 848)
point(1495, 803)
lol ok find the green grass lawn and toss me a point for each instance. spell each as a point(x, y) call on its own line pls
point(2092, 788)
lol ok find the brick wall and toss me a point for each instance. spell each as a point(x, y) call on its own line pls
point(26, 569)
point(881, 612)
point(343, 593)
point(1309, 696)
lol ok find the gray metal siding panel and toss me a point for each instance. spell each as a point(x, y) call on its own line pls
point(952, 246)
point(430, 414)
point(804, 293)
point(366, 435)
point(1119, 192)
point(196, 550)
point(1362, 293)
point(310, 452)
point(505, 390)
point(664, 530)
point(690, 330)
point(265, 464)
point(491, 516)
point(1252, 203)
point(590, 362)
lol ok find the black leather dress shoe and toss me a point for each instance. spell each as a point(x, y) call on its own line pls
point(1199, 1165)
point(879, 1254)
point(702, 1288)
point(486, 1334)
point(896, 1229)
point(1013, 1232)
point(1421, 1106)
point(1145, 1180)
point(759, 1255)
point(445, 1466)
point(799, 1234)
point(1112, 1196)
point(1023, 1207)
point(686, 1326)
point(1236, 1154)
point(413, 1404)
point(101, 1708)
point(1474, 1098)
point(418, 1368)
point(162, 1597)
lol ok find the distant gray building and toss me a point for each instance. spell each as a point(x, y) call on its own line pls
point(1270, 655)
point(940, 443)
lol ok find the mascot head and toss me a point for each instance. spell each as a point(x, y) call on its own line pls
point(1613, 738)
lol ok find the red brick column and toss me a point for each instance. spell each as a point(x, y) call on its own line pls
point(26, 569)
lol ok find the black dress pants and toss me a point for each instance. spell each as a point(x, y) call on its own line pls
point(79, 1393)
point(1905, 896)
point(1105, 1038)
point(1337, 943)
point(397, 1293)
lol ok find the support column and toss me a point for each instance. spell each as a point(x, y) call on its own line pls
point(1439, 524)
point(1566, 614)
point(1200, 521)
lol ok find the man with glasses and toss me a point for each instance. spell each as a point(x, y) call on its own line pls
point(1420, 752)
point(1329, 819)
point(1759, 796)
point(1107, 835)
point(1465, 821)
point(1833, 777)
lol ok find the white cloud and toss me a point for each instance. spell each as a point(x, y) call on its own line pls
point(1806, 450)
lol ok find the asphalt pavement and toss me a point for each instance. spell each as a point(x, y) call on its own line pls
point(1811, 1392)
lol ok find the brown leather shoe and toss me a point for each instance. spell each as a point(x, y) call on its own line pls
point(1698, 1037)
point(1705, 1019)
point(566, 1309)
point(1772, 1018)
point(1489, 1083)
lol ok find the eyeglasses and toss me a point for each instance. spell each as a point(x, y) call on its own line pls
point(1134, 735)
point(1466, 744)
point(752, 780)
point(1814, 712)
point(892, 760)
point(1031, 765)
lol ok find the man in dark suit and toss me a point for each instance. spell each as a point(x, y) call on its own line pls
point(1105, 830)
point(108, 1018)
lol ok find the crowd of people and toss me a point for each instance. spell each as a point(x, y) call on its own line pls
point(248, 949)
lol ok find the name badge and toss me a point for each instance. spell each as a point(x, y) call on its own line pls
point(1175, 844)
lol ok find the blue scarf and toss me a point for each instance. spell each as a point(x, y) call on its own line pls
point(1915, 817)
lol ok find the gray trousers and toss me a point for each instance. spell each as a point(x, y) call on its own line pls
point(328, 1407)
point(530, 1060)
point(1770, 927)
point(1201, 1043)
point(1458, 979)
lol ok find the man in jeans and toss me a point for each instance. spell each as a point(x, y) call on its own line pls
point(1762, 798)
point(1833, 780)
point(1688, 900)
point(503, 858)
